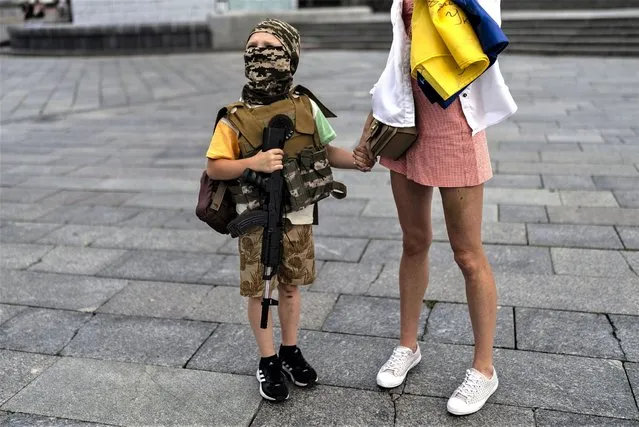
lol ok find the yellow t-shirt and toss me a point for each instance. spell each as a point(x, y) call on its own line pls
point(225, 145)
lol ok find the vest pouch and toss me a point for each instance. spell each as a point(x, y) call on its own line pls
point(297, 192)
point(309, 178)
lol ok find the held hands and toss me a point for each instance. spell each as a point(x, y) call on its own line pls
point(363, 158)
point(268, 161)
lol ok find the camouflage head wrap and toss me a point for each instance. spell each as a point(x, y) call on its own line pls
point(270, 69)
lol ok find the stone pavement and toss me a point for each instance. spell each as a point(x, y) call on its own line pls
point(118, 307)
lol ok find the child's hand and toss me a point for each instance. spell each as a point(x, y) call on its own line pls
point(363, 160)
point(268, 161)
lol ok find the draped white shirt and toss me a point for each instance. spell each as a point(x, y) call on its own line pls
point(486, 102)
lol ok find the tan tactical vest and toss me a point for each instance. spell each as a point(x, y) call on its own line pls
point(251, 121)
point(306, 169)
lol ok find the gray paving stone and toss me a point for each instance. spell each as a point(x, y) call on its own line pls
point(584, 334)
point(633, 260)
point(362, 227)
point(24, 232)
point(23, 195)
point(164, 342)
point(450, 323)
point(72, 260)
point(568, 182)
point(143, 395)
point(163, 266)
point(521, 196)
point(629, 237)
point(589, 215)
point(546, 418)
point(20, 256)
point(41, 330)
point(231, 349)
point(578, 236)
point(225, 273)
point(316, 407)
point(8, 311)
point(152, 218)
point(601, 384)
point(107, 198)
point(370, 316)
point(91, 215)
point(345, 278)
point(339, 248)
point(78, 235)
point(25, 212)
point(183, 220)
point(522, 214)
point(566, 169)
point(346, 207)
point(65, 197)
point(599, 198)
point(512, 180)
point(160, 239)
point(633, 375)
point(17, 369)
point(150, 299)
point(431, 411)
point(28, 420)
point(628, 199)
point(517, 259)
point(612, 182)
point(590, 262)
point(596, 294)
point(627, 329)
point(57, 290)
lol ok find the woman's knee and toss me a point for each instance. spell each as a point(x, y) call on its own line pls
point(417, 242)
point(470, 262)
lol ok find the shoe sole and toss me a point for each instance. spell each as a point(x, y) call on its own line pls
point(289, 375)
point(393, 385)
point(267, 397)
point(476, 407)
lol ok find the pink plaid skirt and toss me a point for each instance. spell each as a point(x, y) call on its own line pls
point(446, 154)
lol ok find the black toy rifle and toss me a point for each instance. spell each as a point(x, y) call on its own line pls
point(271, 215)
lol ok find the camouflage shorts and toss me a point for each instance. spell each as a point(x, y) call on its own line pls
point(298, 260)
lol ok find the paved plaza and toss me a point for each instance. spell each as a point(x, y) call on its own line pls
point(118, 307)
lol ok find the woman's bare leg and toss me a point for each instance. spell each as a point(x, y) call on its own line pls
point(413, 203)
point(463, 208)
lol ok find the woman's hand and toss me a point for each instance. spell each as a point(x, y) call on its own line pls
point(268, 161)
point(363, 159)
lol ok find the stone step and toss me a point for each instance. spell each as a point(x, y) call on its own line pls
point(548, 49)
point(571, 40)
point(567, 4)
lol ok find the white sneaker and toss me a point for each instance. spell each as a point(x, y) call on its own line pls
point(394, 371)
point(473, 393)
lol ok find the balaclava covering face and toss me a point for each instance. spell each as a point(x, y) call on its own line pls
point(270, 69)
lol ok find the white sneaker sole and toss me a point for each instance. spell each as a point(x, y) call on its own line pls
point(401, 379)
point(271, 399)
point(471, 409)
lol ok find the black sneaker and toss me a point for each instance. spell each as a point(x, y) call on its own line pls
point(272, 384)
point(297, 368)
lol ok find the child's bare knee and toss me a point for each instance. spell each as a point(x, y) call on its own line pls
point(288, 291)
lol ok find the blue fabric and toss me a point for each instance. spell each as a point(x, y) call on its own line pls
point(490, 36)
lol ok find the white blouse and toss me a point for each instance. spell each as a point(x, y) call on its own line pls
point(487, 101)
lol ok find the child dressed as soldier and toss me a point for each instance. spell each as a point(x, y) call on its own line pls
point(271, 58)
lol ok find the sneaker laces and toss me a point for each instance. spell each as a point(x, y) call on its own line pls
point(397, 359)
point(471, 384)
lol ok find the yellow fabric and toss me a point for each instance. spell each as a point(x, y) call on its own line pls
point(224, 143)
point(444, 47)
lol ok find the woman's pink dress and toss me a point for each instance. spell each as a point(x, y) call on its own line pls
point(446, 154)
